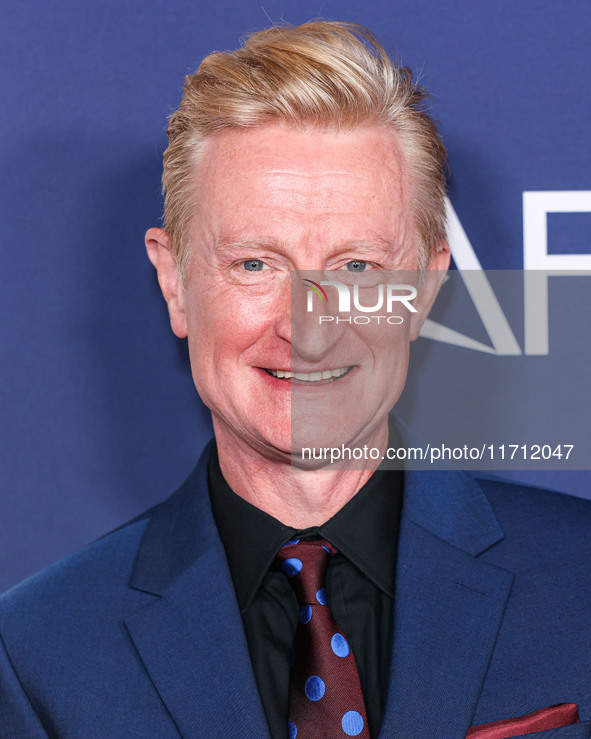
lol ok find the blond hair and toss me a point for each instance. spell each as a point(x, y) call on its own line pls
point(327, 75)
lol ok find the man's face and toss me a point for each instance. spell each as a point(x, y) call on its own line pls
point(272, 200)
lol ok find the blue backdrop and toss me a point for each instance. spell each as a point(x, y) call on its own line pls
point(99, 415)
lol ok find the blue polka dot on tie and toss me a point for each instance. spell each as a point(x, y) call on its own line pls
point(292, 566)
point(339, 646)
point(327, 549)
point(305, 614)
point(291, 542)
point(352, 723)
point(315, 690)
point(292, 730)
point(321, 596)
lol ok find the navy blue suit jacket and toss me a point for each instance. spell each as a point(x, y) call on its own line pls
point(139, 634)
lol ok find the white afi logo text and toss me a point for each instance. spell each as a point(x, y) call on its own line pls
point(539, 265)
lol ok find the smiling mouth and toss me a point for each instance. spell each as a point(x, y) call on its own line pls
point(324, 375)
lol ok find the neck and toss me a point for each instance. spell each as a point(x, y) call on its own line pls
point(297, 497)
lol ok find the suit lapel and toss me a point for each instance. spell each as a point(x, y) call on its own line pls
point(190, 639)
point(448, 606)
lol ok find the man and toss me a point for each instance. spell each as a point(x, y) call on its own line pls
point(266, 598)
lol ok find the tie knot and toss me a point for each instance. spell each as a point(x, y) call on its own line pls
point(304, 562)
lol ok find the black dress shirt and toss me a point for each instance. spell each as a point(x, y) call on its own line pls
point(359, 584)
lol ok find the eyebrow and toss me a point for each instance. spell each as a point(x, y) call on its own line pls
point(378, 243)
point(368, 245)
point(247, 243)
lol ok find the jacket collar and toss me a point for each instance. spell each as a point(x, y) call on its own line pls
point(452, 506)
point(180, 530)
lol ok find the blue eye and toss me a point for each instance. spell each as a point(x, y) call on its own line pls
point(253, 265)
point(356, 266)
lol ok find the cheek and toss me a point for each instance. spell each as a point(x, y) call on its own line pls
point(224, 323)
point(388, 343)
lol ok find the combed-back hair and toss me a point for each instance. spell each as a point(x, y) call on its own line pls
point(325, 75)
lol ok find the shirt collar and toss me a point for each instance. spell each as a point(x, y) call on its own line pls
point(365, 531)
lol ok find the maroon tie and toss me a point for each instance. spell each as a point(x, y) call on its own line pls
point(326, 701)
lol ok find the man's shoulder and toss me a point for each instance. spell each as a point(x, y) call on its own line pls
point(92, 580)
point(105, 568)
point(518, 501)
point(540, 525)
point(70, 635)
point(68, 619)
point(100, 569)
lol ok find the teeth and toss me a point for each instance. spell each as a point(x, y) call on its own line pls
point(309, 376)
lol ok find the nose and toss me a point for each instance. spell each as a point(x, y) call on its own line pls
point(308, 321)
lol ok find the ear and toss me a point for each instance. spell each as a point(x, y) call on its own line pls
point(160, 254)
point(433, 280)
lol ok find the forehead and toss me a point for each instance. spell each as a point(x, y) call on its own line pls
point(320, 178)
